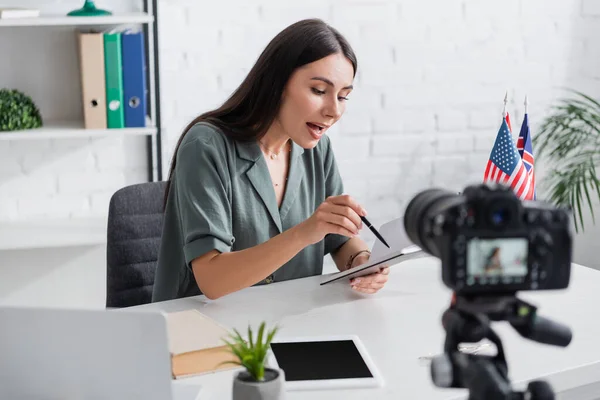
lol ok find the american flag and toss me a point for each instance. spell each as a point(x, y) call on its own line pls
point(526, 151)
point(506, 166)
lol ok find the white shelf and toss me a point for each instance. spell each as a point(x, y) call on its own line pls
point(41, 234)
point(72, 129)
point(63, 20)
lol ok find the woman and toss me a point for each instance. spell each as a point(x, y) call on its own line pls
point(254, 195)
point(493, 262)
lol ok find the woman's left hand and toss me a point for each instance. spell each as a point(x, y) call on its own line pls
point(371, 283)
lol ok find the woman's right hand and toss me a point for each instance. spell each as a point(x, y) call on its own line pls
point(337, 214)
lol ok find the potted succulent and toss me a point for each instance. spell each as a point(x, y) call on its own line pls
point(256, 381)
point(570, 139)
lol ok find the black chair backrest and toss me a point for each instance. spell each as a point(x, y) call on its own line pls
point(135, 222)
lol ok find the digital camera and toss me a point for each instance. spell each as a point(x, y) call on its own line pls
point(490, 242)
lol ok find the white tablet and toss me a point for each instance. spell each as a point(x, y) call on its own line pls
point(374, 264)
point(329, 362)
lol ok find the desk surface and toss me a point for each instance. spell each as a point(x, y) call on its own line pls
point(400, 328)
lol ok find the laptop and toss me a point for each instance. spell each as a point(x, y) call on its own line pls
point(86, 354)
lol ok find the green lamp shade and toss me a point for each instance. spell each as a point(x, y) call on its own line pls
point(89, 10)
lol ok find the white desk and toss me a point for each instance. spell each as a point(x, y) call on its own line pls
point(401, 323)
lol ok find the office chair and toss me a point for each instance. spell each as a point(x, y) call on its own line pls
point(135, 222)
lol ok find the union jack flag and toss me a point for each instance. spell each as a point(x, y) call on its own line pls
point(526, 151)
point(506, 166)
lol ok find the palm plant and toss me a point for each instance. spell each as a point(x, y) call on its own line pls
point(570, 139)
point(251, 355)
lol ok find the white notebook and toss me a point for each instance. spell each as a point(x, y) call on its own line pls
point(394, 234)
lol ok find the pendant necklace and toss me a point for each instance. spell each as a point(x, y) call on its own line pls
point(273, 155)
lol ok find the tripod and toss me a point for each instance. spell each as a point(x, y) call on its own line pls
point(486, 377)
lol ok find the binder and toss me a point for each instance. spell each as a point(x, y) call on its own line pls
point(91, 70)
point(115, 116)
point(134, 79)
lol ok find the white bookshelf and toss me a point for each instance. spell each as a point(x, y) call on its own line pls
point(65, 232)
point(62, 20)
point(72, 129)
point(61, 33)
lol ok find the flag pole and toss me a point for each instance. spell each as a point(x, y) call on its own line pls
point(505, 115)
point(526, 104)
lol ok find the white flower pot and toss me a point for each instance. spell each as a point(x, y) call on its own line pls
point(272, 388)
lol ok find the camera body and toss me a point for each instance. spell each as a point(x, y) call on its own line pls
point(490, 242)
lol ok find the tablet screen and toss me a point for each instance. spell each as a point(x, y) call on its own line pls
point(322, 360)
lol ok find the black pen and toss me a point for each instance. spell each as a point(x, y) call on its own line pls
point(366, 221)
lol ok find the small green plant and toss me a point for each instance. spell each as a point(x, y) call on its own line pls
point(252, 354)
point(18, 111)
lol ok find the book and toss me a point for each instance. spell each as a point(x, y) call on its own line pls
point(18, 12)
point(375, 263)
point(196, 345)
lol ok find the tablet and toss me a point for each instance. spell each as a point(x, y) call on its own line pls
point(316, 363)
point(374, 264)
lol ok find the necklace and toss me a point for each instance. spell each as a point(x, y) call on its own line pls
point(273, 155)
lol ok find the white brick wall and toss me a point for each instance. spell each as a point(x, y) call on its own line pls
point(427, 104)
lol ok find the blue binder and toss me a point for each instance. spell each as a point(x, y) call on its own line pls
point(134, 78)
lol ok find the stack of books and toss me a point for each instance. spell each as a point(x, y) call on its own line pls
point(113, 78)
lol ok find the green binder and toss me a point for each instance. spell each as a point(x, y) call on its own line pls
point(115, 114)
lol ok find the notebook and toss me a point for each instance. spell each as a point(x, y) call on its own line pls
point(196, 344)
point(394, 234)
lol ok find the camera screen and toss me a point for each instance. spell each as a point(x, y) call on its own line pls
point(493, 261)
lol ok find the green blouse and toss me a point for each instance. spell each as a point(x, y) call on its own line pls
point(222, 197)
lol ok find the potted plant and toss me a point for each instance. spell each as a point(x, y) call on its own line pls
point(570, 139)
point(256, 381)
point(18, 111)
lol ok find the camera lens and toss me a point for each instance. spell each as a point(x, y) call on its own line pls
point(423, 206)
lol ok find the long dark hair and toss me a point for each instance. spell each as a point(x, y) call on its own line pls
point(254, 105)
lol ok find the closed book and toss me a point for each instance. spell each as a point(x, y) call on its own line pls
point(93, 87)
point(134, 78)
point(115, 116)
point(196, 344)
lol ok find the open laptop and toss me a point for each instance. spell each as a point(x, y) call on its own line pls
point(86, 354)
